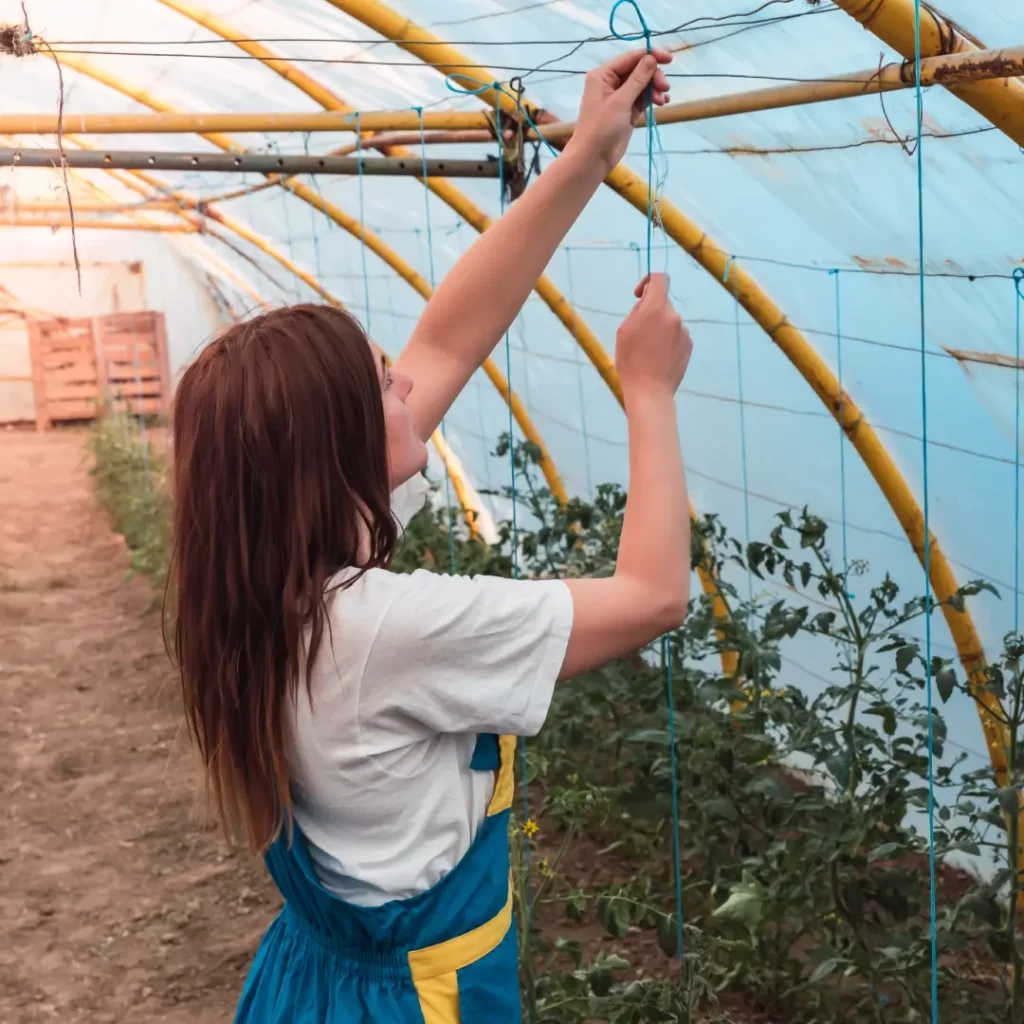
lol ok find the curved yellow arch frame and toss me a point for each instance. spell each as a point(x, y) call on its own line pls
point(193, 224)
point(351, 225)
point(449, 61)
point(462, 205)
point(1001, 100)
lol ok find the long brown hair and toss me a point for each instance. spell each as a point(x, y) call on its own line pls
point(280, 480)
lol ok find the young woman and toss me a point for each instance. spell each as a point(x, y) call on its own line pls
point(349, 718)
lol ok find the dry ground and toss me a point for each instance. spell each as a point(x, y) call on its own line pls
point(116, 902)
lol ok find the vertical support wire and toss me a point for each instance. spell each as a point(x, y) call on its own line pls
point(433, 287)
point(729, 266)
point(919, 97)
point(842, 431)
point(653, 183)
point(523, 761)
point(1018, 297)
point(579, 373)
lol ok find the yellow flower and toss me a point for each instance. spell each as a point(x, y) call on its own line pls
point(766, 693)
point(531, 828)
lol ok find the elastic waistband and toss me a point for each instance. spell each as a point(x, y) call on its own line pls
point(351, 958)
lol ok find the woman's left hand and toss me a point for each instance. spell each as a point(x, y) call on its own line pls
point(614, 96)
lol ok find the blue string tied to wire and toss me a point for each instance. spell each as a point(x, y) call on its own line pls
point(842, 433)
point(727, 274)
point(1018, 298)
point(919, 103)
point(654, 184)
point(453, 84)
point(452, 561)
point(655, 180)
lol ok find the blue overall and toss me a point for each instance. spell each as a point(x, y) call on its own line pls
point(444, 956)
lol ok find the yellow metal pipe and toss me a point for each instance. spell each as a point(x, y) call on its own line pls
point(188, 123)
point(1001, 102)
point(530, 432)
point(415, 40)
point(448, 193)
point(461, 204)
point(967, 67)
point(13, 205)
point(95, 223)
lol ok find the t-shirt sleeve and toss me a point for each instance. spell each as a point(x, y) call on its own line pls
point(461, 654)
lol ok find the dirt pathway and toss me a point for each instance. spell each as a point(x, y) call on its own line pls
point(116, 902)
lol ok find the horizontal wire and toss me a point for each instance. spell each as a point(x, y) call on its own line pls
point(797, 150)
point(790, 410)
point(970, 276)
point(522, 69)
point(899, 538)
point(693, 26)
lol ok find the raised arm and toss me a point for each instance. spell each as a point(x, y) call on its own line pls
point(650, 589)
point(481, 296)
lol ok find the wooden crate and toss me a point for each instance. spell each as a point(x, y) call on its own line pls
point(81, 366)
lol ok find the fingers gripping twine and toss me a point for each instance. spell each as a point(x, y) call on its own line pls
point(654, 186)
point(655, 181)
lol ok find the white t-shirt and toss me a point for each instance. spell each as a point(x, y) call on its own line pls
point(411, 669)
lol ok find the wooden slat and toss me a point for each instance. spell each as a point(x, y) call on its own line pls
point(71, 392)
point(73, 411)
point(127, 390)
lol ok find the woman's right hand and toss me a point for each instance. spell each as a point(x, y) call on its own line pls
point(653, 346)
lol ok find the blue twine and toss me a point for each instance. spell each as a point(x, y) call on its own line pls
point(652, 135)
point(919, 96)
point(523, 763)
point(1018, 277)
point(362, 223)
point(651, 128)
point(842, 437)
point(579, 374)
point(677, 856)
point(483, 87)
point(743, 420)
point(433, 286)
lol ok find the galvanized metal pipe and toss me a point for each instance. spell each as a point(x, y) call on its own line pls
point(257, 163)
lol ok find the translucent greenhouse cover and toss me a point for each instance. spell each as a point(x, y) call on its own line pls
point(792, 194)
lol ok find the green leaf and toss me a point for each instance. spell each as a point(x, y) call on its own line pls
point(614, 962)
point(982, 907)
point(885, 850)
point(1008, 799)
point(945, 682)
point(600, 979)
point(614, 916)
point(905, 657)
point(659, 736)
point(823, 970)
point(745, 904)
point(1000, 945)
point(668, 935)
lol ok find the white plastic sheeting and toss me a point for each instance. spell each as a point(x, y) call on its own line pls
point(829, 191)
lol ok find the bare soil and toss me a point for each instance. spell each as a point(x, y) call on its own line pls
point(117, 901)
